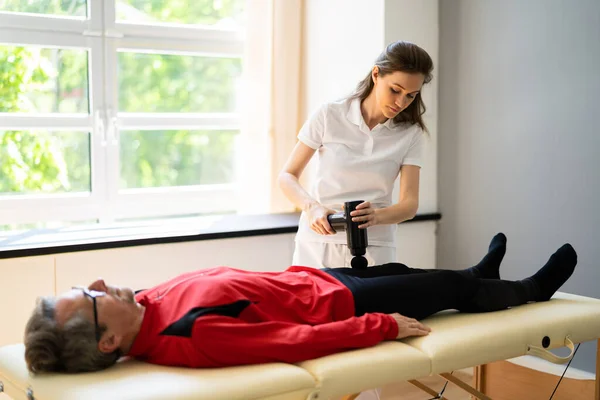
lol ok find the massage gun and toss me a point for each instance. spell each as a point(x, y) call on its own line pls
point(356, 238)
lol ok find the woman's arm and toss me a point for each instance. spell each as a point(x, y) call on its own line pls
point(407, 207)
point(404, 210)
point(289, 183)
point(289, 177)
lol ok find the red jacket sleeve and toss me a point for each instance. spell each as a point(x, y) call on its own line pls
point(229, 341)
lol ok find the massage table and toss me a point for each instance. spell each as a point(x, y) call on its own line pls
point(457, 341)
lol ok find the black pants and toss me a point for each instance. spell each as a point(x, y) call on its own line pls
point(417, 293)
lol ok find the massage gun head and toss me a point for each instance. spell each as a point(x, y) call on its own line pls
point(359, 262)
point(356, 238)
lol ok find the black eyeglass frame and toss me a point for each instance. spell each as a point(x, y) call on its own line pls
point(93, 294)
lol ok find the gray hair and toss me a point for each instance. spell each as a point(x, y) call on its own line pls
point(71, 348)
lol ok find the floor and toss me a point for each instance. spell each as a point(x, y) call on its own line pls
point(406, 391)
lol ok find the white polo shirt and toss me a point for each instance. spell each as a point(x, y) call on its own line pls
point(355, 163)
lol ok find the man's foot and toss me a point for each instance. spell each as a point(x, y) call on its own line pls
point(554, 274)
point(489, 266)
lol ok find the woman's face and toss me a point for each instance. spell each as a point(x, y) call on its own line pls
point(394, 92)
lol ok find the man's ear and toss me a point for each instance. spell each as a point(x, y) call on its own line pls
point(109, 342)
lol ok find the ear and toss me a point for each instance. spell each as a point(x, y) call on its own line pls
point(109, 342)
point(375, 73)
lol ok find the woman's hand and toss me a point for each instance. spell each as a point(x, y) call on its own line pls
point(317, 219)
point(409, 327)
point(365, 214)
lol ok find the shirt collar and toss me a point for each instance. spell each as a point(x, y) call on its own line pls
point(142, 342)
point(390, 124)
point(354, 115)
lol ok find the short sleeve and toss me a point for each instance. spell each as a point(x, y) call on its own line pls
point(414, 155)
point(311, 133)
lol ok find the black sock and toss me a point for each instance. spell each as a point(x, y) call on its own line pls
point(489, 266)
point(496, 294)
point(554, 274)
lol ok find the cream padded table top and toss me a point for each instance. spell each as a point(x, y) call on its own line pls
point(134, 380)
point(357, 370)
point(465, 340)
point(333, 375)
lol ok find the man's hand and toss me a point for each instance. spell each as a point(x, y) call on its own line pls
point(409, 327)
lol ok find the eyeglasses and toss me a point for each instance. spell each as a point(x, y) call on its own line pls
point(93, 294)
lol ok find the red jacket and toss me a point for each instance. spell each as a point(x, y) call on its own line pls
point(224, 316)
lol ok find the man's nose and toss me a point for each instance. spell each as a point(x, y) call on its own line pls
point(98, 285)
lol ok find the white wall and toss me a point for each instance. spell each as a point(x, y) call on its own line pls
point(418, 22)
point(519, 136)
point(341, 40)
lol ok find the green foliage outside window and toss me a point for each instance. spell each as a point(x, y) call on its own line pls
point(202, 12)
point(185, 158)
point(35, 80)
point(73, 8)
point(42, 161)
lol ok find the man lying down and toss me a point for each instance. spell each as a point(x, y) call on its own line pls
point(223, 316)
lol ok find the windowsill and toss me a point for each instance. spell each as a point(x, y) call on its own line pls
point(38, 242)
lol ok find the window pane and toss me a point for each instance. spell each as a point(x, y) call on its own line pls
point(71, 8)
point(36, 162)
point(171, 83)
point(176, 158)
point(43, 80)
point(226, 14)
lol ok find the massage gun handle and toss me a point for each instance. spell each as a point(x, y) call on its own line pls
point(342, 220)
point(355, 236)
point(337, 221)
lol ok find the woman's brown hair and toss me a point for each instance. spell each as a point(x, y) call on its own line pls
point(404, 57)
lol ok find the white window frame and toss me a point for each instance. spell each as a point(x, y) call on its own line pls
point(104, 37)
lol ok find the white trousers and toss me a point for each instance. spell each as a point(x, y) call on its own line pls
point(332, 255)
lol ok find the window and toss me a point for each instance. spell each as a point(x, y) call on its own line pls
point(120, 109)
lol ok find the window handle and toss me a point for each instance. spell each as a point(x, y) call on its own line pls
point(99, 128)
point(113, 127)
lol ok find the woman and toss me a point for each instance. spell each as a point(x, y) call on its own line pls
point(364, 142)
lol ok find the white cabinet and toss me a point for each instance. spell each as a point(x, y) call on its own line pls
point(22, 281)
point(416, 244)
point(141, 267)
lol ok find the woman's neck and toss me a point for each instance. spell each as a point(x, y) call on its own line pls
point(371, 112)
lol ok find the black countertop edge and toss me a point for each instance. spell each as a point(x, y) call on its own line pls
point(233, 226)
